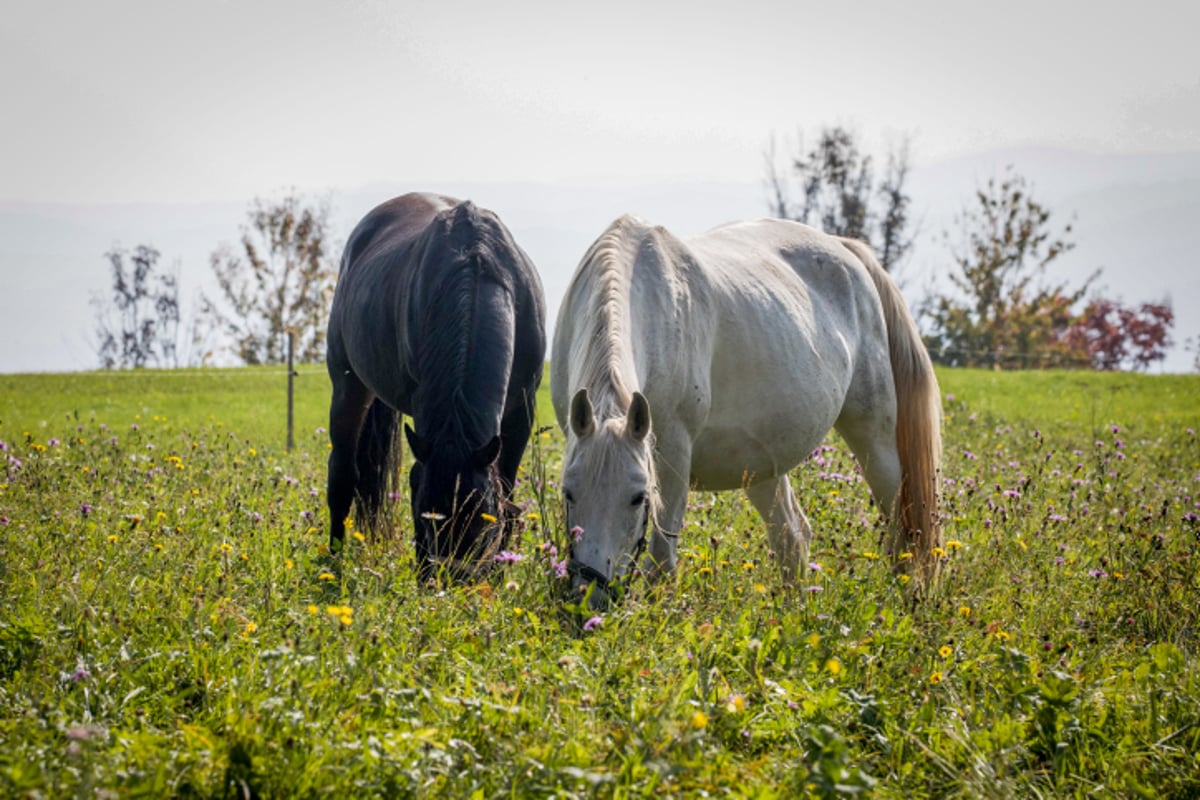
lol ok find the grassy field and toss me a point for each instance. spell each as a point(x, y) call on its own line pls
point(171, 624)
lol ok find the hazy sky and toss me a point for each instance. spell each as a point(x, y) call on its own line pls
point(159, 101)
point(157, 121)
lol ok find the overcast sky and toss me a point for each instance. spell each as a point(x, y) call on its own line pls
point(156, 101)
point(117, 115)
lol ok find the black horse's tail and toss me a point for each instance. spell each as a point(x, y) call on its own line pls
point(378, 451)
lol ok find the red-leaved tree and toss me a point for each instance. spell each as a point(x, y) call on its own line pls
point(1118, 337)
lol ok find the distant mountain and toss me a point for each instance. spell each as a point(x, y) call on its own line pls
point(1135, 216)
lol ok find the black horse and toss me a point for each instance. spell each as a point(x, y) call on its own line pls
point(439, 315)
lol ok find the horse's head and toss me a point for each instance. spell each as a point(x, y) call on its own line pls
point(459, 510)
point(610, 494)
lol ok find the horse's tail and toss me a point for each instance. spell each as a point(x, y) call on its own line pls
point(378, 452)
point(917, 527)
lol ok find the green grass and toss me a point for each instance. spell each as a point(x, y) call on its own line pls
point(171, 625)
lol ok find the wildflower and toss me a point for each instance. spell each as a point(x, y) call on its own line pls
point(593, 623)
point(1097, 573)
point(699, 720)
point(325, 576)
point(312, 609)
point(85, 508)
point(577, 533)
point(226, 547)
point(508, 557)
point(488, 518)
point(814, 566)
point(113, 538)
point(953, 544)
point(250, 628)
point(935, 678)
point(358, 536)
point(905, 556)
point(747, 565)
point(736, 703)
point(938, 552)
point(833, 667)
point(533, 515)
point(560, 568)
point(945, 651)
point(1001, 636)
point(814, 588)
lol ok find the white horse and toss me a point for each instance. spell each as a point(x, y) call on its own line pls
point(745, 346)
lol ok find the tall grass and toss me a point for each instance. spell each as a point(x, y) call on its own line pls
point(171, 623)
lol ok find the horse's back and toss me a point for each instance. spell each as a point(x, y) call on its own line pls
point(791, 319)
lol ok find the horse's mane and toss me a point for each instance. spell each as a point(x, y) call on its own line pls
point(465, 354)
point(602, 345)
point(602, 348)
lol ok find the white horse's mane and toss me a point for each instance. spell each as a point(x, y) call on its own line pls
point(601, 350)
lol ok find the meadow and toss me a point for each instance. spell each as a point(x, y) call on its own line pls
point(172, 624)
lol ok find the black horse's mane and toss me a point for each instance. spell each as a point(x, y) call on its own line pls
point(463, 356)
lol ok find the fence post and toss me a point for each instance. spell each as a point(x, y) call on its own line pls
point(291, 355)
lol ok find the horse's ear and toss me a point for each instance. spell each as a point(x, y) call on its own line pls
point(420, 448)
point(583, 422)
point(484, 456)
point(637, 419)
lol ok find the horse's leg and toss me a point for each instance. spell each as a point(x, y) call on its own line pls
point(347, 411)
point(872, 439)
point(788, 531)
point(673, 463)
point(514, 438)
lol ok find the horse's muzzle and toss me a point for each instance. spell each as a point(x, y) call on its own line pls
point(591, 582)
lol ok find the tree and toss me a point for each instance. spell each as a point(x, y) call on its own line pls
point(1115, 337)
point(139, 325)
point(281, 279)
point(838, 193)
point(1006, 314)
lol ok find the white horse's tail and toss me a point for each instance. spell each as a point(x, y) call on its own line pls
point(916, 526)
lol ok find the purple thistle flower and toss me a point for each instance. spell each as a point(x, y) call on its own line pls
point(1097, 573)
point(577, 533)
point(508, 557)
point(54, 442)
point(560, 568)
point(593, 623)
point(814, 588)
point(80, 674)
point(85, 508)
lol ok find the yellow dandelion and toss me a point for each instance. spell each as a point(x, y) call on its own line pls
point(813, 639)
point(905, 556)
point(747, 565)
point(488, 517)
point(358, 536)
point(325, 576)
point(114, 538)
point(252, 451)
point(935, 678)
point(705, 570)
point(243, 557)
point(251, 627)
point(760, 588)
point(870, 554)
point(288, 563)
point(904, 579)
point(938, 552)
point(736, 703)
point(158, 546)
point(346, 619)
point(833, 667)
point(964, 611)
point(533, 515)
point(953, 544)
point(312, 609)
point(226, 547)
point(945, 651)
point(699, 720)
point(1001, 636)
